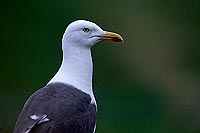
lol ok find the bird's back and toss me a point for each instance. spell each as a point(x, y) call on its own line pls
point(59, 108)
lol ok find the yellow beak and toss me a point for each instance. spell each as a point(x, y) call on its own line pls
point(112, 36)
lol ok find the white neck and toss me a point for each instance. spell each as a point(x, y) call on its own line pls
point(76, 69)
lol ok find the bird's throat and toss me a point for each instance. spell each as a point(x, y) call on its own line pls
point(76, 69)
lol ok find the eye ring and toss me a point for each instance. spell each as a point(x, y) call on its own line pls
point(86, 30)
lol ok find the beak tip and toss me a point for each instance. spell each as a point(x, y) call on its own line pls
point(117, 39)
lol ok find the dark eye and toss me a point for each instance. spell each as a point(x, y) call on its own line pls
point(86, 30)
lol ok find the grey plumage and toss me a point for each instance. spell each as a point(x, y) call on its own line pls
point(58, 108)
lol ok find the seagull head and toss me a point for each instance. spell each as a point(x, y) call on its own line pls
point(84, 33)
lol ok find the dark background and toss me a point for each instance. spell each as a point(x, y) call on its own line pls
point(150, 84)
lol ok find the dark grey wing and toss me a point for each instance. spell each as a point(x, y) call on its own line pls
point(57, 108)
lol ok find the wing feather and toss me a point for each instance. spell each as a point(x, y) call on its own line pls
point(57, 108)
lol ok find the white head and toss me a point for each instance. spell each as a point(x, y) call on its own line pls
point(77, 67)
point(83, 33)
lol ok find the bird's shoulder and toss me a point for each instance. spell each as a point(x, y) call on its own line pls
point(58, 97)
point(56, 104)
point(61, 91)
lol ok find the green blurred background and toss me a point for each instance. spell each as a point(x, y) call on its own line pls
point(149, 85)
